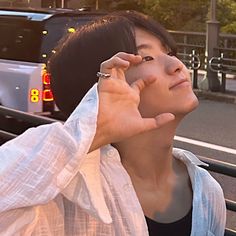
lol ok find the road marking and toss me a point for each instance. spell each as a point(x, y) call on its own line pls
point(204, 144)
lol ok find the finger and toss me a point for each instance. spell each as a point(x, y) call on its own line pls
point(114, 63)
point(132, 58)
point(120, 60)
point(140, 84)
point(157, 122)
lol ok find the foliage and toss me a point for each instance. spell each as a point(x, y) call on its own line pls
point(190, 15)
point(226, 14)
point(179, 14)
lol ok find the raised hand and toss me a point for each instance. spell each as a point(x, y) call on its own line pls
point(118, 115)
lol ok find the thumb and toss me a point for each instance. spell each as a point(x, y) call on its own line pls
point(140, 84)
point(158, 121)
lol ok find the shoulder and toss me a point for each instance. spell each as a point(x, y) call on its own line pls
point(208, 196)
point(187, 157)
point(200, 177)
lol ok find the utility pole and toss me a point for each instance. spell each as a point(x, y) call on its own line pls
point(212, 42)
point(53, 3)
point(61, 3)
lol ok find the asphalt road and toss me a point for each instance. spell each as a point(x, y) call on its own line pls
point(213, 123)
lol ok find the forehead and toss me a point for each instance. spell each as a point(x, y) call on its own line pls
point(146, 40)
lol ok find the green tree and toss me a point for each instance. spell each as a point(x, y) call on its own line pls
point(226, 15)
point(179, 14)
point(190, 15)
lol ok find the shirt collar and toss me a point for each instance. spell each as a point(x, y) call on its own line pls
point(181, 154)
point(187, 157)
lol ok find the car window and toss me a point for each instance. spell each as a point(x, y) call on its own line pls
point(57, 29)
point(27, 38)
point(20, 40)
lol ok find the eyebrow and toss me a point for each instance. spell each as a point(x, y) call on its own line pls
point(144, 46)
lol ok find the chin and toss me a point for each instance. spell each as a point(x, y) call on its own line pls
point(190, 105)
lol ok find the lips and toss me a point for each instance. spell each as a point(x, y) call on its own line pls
point(178, 83)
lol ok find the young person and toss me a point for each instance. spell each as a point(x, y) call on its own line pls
point(111, 169)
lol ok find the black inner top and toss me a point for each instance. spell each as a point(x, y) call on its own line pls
point(180, 227)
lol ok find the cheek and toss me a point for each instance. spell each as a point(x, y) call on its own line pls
point(141, 72)
point(153, 100)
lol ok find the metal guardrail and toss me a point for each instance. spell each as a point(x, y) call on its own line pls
point(227, 169)
point(25, 120)
point(192, 62)
point(230, 232)
point(32, 119)
point(6, 136)
point(219, 64)
point(223, 66)
point(197, 40)
point(219, 167)
point(187, 41)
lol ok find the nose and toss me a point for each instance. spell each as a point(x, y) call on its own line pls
point(173, 65)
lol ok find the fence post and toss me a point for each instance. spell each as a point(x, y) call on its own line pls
point(212, 38)
point(223, 75)
point(195, 69)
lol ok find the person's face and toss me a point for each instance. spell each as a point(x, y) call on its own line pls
point(172, 89)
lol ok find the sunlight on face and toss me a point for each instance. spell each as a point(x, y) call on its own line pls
point(172, 90)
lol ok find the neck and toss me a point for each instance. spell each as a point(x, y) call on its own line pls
point(148, 157)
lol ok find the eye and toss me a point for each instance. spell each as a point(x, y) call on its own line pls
point(147, 58)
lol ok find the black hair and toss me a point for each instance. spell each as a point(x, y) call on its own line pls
point(147, 23)
point(74, 66)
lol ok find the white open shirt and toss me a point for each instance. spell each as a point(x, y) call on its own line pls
point(49, 185)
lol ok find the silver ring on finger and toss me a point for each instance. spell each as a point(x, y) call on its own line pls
point(103, 75)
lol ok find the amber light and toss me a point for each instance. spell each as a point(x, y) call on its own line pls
point(34, 95)
point(71, 30)
point(47, 95)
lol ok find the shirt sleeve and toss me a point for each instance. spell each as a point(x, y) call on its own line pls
point(213, 202)
point(219, 217)
point(40, 163)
